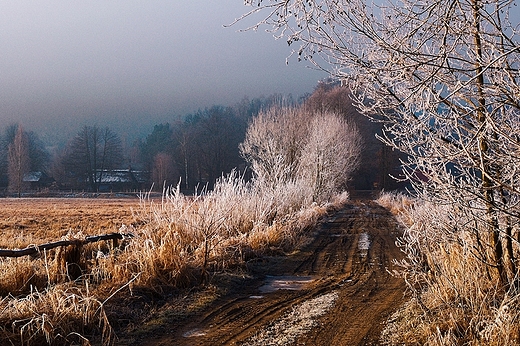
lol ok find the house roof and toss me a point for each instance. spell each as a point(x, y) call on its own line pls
point(122, 176)
point(111, 177)
point(32, 177)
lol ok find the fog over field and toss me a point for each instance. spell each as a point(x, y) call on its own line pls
point(132, 64)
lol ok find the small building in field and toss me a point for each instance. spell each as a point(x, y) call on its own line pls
point(37, 180)
point(122, 180)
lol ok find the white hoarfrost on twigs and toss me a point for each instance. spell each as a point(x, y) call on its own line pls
point(294, 147)
point(298, 321)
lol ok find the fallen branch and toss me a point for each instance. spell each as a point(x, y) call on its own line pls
point(36, 249)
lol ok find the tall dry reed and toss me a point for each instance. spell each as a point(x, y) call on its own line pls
point(59, 315)
point(455, 299)
point(185, 237)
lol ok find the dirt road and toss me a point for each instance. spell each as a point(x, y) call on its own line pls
point(335, 291)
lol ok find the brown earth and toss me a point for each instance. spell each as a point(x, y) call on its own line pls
point(336, 290)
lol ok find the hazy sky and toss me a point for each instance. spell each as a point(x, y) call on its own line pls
point(66, 63)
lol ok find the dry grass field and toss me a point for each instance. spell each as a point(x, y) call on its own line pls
point(65, 295)
point(41, 303)
point(26, 221)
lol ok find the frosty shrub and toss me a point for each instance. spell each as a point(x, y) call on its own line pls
point(290, 147)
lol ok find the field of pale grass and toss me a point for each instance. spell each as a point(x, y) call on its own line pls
point(61, 296)
point(39, 303)
point(25, 221)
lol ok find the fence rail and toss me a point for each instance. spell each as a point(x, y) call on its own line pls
point(36, 249)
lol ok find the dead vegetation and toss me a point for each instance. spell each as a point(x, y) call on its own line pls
point(51, 297)
point(27, 221)
point(455, 299)
point(60, 296)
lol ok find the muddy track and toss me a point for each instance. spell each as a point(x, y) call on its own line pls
point(347, 262)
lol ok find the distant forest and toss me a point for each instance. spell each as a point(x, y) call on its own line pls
point(192, 151)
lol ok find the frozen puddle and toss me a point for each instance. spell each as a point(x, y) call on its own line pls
point(364, 244)
point(294, 283)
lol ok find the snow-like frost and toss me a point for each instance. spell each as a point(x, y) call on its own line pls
point(364, 242)
point(295, 323)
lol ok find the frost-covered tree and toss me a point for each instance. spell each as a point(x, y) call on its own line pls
point(378, 162)
point(330, 154)
point(294, 146)
point(444, 78)
point(273, 144)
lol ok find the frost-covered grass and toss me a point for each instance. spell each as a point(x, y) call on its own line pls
point(454, 296)
point(59, 315)
point(183, 238)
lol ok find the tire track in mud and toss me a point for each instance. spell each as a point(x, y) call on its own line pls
point(348, 259)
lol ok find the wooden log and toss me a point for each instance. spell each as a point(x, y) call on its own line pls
point(35, 249)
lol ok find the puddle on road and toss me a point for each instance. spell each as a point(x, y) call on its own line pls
point(194, 333)
point(294, 283)
point(364, 244)
point(338, 235)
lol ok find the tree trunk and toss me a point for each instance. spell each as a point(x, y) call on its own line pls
point(487, 185)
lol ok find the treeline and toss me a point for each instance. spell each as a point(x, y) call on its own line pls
point(194, 150)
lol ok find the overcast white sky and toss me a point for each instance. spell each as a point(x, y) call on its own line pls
point(65, 63)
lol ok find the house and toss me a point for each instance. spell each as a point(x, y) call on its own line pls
point(122, 180)
point(37, 180)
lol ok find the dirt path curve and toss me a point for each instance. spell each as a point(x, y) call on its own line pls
point(338, 290)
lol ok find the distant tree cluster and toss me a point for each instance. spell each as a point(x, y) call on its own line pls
point(91, 154)
point(199, 148)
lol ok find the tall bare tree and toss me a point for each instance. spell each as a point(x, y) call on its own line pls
point(39, 158)
point(18, 161)
point(444, 78)
point(163, 171)
point(330, 155)
point(91, 154)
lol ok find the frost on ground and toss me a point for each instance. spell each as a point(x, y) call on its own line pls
point(363, 244)
point(289, 327)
